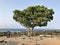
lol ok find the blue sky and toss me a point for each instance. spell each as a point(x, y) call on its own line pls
point(7, 7)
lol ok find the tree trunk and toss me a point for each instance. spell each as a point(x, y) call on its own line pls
point(30, 32)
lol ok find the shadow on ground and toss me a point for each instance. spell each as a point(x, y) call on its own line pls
point(9, 43)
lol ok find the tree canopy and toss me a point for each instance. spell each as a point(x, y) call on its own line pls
point(34, 16)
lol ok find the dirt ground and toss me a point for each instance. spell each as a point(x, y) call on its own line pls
point(31, 40)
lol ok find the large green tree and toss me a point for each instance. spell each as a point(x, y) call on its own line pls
point(34, 16)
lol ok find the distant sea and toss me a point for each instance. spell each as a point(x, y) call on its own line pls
point(12, 30)
point(20, 30)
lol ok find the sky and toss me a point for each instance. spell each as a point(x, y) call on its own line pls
point(7, 7)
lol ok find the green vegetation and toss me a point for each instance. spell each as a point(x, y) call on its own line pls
point(46, 32)
point(37, 33)
point(33, 16)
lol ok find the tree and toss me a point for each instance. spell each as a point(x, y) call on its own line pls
point(34, 16)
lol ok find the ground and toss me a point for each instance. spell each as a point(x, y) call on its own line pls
point(30, 40)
